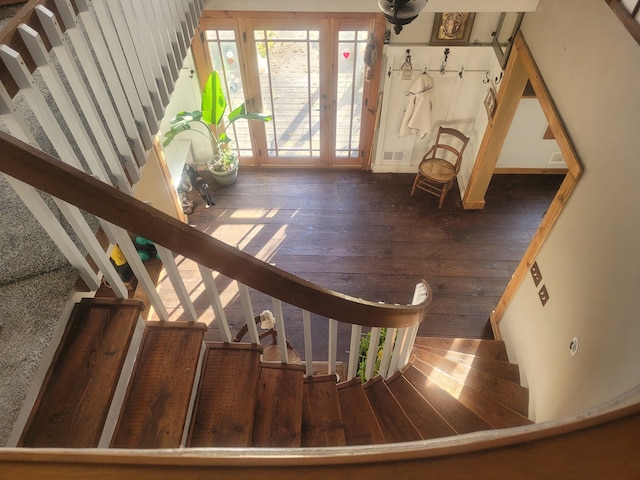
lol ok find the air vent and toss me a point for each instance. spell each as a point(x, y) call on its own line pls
point(392, 157)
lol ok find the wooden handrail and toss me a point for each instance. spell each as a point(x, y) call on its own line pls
point(595, 445)
point(32, 166)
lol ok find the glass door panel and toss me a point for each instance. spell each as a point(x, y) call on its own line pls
point(308, 71)
point(289, 73)
point(223, 49)
point(349, 94)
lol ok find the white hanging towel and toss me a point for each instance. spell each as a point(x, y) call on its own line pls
point(417, 114)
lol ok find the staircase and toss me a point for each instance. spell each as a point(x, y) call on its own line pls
point(119, 382)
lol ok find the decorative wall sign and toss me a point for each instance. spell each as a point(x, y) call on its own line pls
point(452, 28)
point(490, 102)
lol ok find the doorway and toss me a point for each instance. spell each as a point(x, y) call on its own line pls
point(521, 69)
point(307, 70)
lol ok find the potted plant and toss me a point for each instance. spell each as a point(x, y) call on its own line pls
point(224, 162)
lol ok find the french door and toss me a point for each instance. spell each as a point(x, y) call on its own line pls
point(307, 70)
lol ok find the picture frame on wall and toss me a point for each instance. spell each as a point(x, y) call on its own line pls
point(490, 102)
point(452, 28)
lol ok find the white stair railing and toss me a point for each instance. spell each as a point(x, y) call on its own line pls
point(100, 84)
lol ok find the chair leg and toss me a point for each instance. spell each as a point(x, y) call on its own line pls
point(445, 189)
point(415, 184)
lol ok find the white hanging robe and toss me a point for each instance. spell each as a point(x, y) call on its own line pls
point(417, 114)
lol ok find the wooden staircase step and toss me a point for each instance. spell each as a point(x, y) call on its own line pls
point(157, 402)
point(360, 423)
point(455, 413)
point(278, 413)
point(74, 400)
point(498, 368)
point(226, 397)
point(424, 417)
point(321, 418)
point(494, 349)
point(493, 412)
point(395, 424)
point(511, 395)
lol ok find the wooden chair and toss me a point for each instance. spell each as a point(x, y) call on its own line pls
point(270, 351)
point(440, 165)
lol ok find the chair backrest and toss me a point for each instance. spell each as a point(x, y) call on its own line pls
point(449, 140)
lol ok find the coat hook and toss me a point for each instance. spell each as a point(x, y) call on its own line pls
point(499, 79)
point(407, 62)
point(389, 73)
point(486, 79)
point(444, 62)
point(461, 71)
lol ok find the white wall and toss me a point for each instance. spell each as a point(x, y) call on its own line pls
point(525, 146)
point(590, 263)
point(185, 97)
point(458, 103)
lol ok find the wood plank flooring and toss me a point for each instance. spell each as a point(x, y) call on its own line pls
point(361, 234)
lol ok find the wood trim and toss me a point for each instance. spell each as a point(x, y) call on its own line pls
point(630, 23)
point(522, 61)
point(244, 21)
point(530, 171)
point(32, 166)
point(573, 449)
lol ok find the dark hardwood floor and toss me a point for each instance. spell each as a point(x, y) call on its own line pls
point(361, 234)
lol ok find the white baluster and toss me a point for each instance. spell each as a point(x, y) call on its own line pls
point(216, 304)
point(110, 87)
point(387, 351)
point(135, 90)
point(400, 345)
point(281, 338)
point(140, 28)
point(122, 238)
point(372, 353)
point(333, 345)
point(354, 351)
point(308, 341)
point(59, 93)
point(249, 316)
point(173, 273)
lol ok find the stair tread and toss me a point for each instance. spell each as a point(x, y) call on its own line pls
point(455, 413)
point(360, 423)
point(424, 417)
point(512, 395)
point(490, 410)
point(395, 425)
point(158, 397)
point(499, 368)
point(229, 372)
point(74, 401)
point(278, 412)
point(321, 418)
point(479, 347)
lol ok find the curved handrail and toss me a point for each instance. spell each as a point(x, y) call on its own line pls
point(32, 166)
point(594, 444)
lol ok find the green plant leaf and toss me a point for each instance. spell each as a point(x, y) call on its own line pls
point(213, 102)
point(241, 112)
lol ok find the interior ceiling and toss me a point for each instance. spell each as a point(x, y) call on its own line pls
point(372, 5)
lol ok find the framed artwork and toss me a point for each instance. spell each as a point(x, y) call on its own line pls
point(452, 28)
point(490, 102)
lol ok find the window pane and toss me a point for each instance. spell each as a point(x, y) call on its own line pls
point(289, 65)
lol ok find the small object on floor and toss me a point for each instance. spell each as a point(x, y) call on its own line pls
point(200, 185)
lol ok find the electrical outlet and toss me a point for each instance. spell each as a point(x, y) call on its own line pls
point(544, 295)
point(535, 273)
